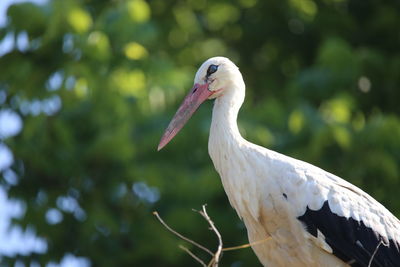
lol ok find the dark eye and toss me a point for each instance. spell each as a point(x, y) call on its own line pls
point(212, 69)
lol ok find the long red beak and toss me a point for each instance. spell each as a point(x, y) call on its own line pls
point(192, 101)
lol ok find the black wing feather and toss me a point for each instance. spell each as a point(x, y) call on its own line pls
point(352, 241)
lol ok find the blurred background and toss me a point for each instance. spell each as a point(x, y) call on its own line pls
point(88, 87)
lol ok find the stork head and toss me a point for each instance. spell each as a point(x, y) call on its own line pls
point(212, 80)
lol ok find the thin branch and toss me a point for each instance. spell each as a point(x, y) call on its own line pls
point(193, 256)
point(212, 263)
point(181, 236)
point(216, 257)
point(375, 251)
point(247, 245)
point(215, 261)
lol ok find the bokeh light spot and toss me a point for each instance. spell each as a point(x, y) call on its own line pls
point(129, 83)
point(135, 51)
point(139, 10)
point(81, 87)
point(337, 110)
point(220, 14)
point(307, 8)
point(79, 20)
point(53, 216)
point(99, 45)
point(296, 121)
point(6, 157)
point(364, 84)
point(10, 123)
point(248, 3)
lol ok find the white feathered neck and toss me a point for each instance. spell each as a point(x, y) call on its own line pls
point(224, 131)
point(226, 145)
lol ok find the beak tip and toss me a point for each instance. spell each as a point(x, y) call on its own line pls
point(161, 145)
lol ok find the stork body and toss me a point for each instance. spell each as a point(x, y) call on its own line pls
point(308, 216)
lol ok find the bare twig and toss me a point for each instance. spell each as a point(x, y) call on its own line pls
point(181, 236)
point(217, 255)
point(375, 251)
point(193, 256)
point(246, 245)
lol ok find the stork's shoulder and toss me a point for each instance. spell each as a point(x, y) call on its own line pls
point(308, 186)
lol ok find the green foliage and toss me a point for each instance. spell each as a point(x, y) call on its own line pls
point(323, 86)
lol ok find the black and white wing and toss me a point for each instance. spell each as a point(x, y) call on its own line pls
point(354, 241)
point(358, 229)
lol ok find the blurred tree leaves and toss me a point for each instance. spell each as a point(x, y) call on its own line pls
point(96, 82)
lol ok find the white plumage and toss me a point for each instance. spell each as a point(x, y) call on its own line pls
point(313, 218)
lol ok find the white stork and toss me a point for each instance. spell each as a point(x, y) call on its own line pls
point(313, 218)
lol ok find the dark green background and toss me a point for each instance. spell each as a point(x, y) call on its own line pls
point(322, 81)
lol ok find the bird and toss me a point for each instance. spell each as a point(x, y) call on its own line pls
point(306, 215)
